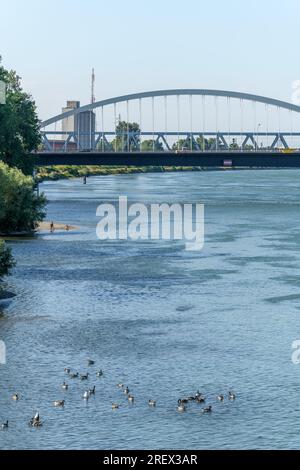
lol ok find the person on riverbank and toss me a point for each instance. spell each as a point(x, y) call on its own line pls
point(52, 228)
point(84, 180)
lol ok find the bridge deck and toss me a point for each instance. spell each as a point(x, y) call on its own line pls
point(203, 159)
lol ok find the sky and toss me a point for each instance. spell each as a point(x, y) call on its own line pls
point(135, 45)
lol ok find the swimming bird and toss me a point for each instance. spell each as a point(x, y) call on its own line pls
point(130, 399)
point(120, 386)
point(67, 370)
point(207, 409)
point(59, 403)
point(16, 397)
point(152, 403)
point(220, 397)
point(181, 408)
point(92, 391)
point(126, 391)
point(200, 400)
point(231, 396)
point(35, 421)
point(84, 376)
point(86, 395)
point(4, 425)
point(183, 401)
point(90, 362)
point(115, 406)
point(65, 386)
point(99, 373)
point(74, 375)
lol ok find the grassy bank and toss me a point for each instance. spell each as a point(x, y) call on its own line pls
point(54, 173)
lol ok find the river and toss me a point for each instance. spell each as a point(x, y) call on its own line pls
point(160, 319)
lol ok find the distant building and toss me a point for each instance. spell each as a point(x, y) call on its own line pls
point(69, 124)
point(86, 123)
point(83, 125)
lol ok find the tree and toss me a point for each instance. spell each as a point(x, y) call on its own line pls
point(151, 145)
point(19, 124)
point(6, 259)
point(20, 207)
point(198, 144)
point(234, 145)
point(127, 137)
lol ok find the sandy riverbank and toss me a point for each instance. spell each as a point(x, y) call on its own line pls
point(58, 227)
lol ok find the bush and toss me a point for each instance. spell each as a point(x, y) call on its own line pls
point(20, 207)
point(6, 259)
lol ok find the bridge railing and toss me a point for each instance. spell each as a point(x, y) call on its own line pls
point(110, 141)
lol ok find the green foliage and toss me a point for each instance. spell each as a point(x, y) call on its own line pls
point(19, 124)
point(125, 142)
point(200, 144)
point(6, 259)
point(20, 207)
point(152, 146)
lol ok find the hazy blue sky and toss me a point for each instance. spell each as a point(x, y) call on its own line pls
point(136, 45)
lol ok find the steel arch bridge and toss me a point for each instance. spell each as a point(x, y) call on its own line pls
point(193, 140)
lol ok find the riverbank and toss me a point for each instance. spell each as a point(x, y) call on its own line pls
point(55, 173)
point(44, 226)
point(57, 227)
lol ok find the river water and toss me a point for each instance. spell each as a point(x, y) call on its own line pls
point(160, 319)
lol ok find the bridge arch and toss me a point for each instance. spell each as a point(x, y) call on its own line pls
point(175, 92)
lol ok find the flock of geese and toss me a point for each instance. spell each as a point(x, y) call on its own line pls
point(182, 403)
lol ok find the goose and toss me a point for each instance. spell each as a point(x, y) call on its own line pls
point(74, 376)
point(90, 362)
point(207, 409)
point(181, 408)
point(130, 399)
point(191, 398)
point(59, 403)
point(114, 406)
point(35, 421)
point(126, 391)
point(200, 400)
point(4, 425)
point(183, 401)
point(16, 397)
point(100, 373)
point(152, 403)
point(120, 386)
point(67, 370)
point(65, 386)
point(92, 391)
point(84, 376)
point(220, 397)
point(86, 395)
point(231, 396)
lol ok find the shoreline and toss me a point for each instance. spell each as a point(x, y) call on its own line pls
point(43, 227)
point(55, 173)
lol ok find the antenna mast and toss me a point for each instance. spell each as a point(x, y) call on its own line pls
point(93, 99)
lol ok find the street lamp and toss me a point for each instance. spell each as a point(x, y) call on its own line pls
point(257, 130)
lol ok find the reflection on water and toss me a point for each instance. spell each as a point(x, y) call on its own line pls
point(162, 320)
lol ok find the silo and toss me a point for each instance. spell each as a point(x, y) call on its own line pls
point(86, 124)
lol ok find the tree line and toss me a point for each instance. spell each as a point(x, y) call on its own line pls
point(21, 208)
point(128, 139)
